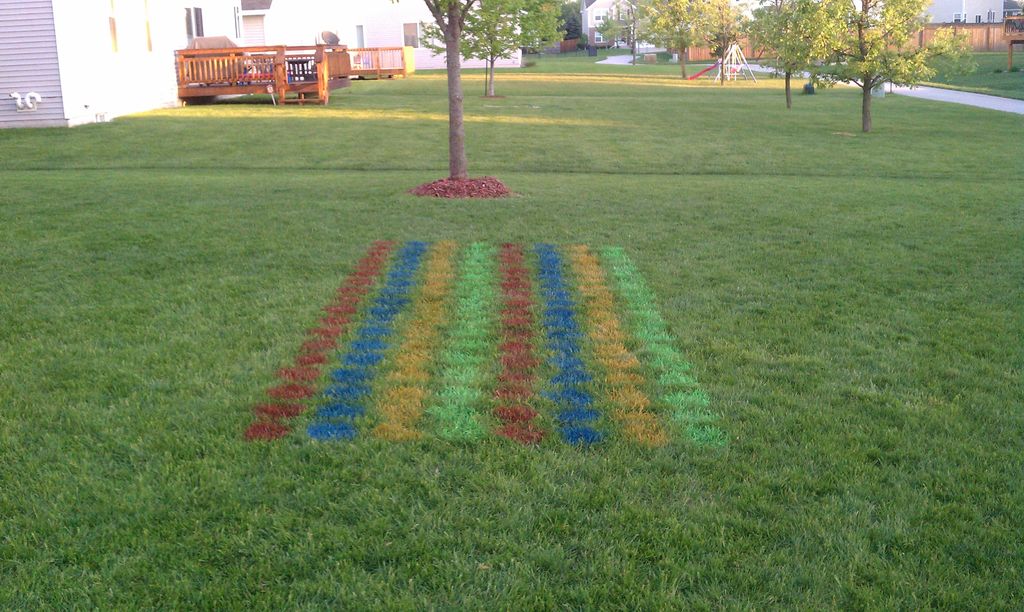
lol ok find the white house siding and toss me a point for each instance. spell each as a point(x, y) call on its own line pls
point(382, 27)
point(299, 22)
point(101, 83)
point(28, 62)
point(944, 11)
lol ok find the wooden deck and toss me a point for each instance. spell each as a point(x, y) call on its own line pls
point(293, 75)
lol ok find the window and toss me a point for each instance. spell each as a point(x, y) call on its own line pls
point(977, 19)
point(957, 18)
point(238, 22)
point(598, 38)
point(412, 34)
point(193, 22)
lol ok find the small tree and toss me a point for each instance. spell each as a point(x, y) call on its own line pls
point(672, 23)
point(495, 29)
point(792, 31)
point(868, 46)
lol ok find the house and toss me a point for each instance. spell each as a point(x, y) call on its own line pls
point(69, 62)
point(357, 23)
point(970, 11)
point(593, 14)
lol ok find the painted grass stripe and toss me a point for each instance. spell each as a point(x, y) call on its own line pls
point(677, 387)
point(515, 393)
point(622, 375)
point(270, 417)
point(568, 387)
point(406, 385)
point(468, 349)
point(347, 398)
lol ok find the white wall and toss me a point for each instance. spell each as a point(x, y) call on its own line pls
point(942, 11)
point(101, 82)
point(383, 22)
point(299, 22)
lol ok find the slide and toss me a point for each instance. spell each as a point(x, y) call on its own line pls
point(706, 70)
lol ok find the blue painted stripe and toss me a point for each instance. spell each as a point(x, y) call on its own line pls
point(563, 334)
point(347, 398)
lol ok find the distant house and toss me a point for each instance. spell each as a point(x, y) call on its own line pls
point(593, 14)
point(357, 23)
point(91, 60)
point(972, 11)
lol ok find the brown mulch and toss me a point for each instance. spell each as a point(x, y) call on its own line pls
point(482, 187)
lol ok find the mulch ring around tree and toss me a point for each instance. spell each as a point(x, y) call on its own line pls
point(482, 187)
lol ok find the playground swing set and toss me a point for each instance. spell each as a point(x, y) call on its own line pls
point(731, 67)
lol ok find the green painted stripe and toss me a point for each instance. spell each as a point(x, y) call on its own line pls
point(677, 387)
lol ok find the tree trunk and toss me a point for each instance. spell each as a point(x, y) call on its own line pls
point(682, 60)
point(865, 107)
point(490, 78)
point(457, 163)
point(789, 91)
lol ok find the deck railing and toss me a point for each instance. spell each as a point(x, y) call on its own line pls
point(281, 70)
point(381, 61)
point(1013, 28)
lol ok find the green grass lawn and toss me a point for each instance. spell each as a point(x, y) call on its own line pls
point(985, 79)
point(851, 304)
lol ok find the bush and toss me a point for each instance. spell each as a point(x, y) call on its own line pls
point(998, 71)
point(1015, 69)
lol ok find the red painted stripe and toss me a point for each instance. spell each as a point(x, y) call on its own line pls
point(270, 423)
point(518, 378)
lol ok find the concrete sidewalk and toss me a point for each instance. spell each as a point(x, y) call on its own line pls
point(619, 60)
point(1006, 105)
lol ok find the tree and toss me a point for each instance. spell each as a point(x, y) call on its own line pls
point(867, 43)
point(792, 31)
point(570, 20)
point(497, 28)
point(719, 23)
point(672, 23)
point(450, 17)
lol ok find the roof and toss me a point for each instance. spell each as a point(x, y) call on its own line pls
point(256, 5)
point(587, 3)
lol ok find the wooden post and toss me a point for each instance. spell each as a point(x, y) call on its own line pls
point(280, 75)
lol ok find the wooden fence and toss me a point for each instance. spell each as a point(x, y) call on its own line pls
point(980, 36)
